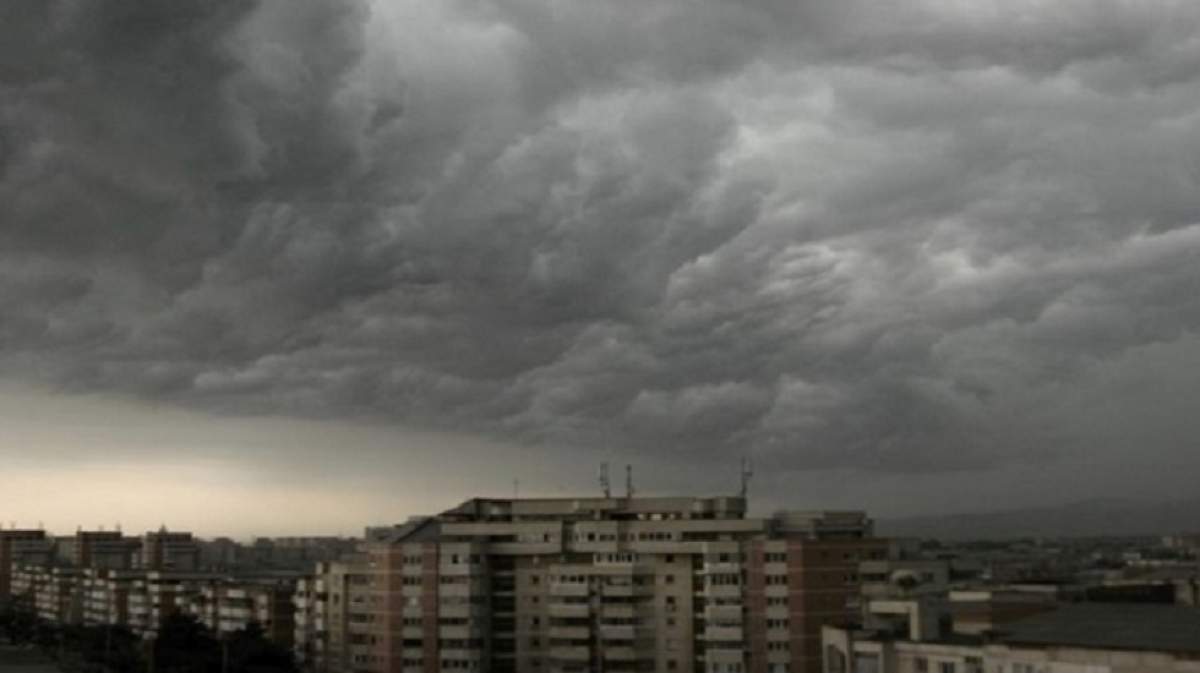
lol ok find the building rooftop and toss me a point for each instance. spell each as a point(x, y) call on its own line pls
point(493, 509)
point(1165, 628)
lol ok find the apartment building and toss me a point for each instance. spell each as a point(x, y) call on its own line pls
point(109, 550)
point(156, 595)
point(18, 547)
point(56, 598)
point(105, 596)
point(322, 616)
point(588, 584)
point(1074, 638)
point(231, 605)
point(166, 550)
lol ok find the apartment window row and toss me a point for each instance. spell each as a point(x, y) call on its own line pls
point(775, 557)
point(459, 644)
point(775, 580)
point(650, 536)
point(622, 559)
point(777, 623)
point(460, 664)
point(778, 645)
point(970, 665)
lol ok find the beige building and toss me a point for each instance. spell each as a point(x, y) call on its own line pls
point(322, 615)
point(587, 584)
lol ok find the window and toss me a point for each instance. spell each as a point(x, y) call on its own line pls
point(921, 664)
point(947, 667)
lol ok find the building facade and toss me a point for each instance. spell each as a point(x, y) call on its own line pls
point(21, 547)
point(590, 584)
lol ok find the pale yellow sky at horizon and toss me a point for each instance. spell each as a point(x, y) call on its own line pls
point(83, 460)
point(71, 460)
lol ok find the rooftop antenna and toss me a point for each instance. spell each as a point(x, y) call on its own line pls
point(747, 472)
point(604, 482)
point(629, 481)
point(516, 489)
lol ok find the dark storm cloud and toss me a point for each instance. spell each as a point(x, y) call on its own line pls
point(902, 237)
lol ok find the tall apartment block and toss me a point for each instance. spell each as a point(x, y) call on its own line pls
point(594, 584)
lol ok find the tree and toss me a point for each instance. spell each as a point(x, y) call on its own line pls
point(184, 645)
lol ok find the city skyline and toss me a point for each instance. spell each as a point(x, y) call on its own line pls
point(300, 266)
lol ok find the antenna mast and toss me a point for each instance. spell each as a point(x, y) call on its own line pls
point(629, 481)
point(747, 472)
point(604, 482)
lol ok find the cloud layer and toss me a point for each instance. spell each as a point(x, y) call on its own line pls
point(904, 237)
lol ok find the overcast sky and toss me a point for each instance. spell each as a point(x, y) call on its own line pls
point(300, 265)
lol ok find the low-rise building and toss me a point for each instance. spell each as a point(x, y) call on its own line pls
point(1074, 638)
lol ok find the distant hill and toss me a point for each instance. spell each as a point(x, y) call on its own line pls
point(1082, 519)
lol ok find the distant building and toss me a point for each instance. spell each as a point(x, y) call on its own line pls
point(107, 550)
point(21, 547)
point(165, 550)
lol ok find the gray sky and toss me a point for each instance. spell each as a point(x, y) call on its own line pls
point(311, 264)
